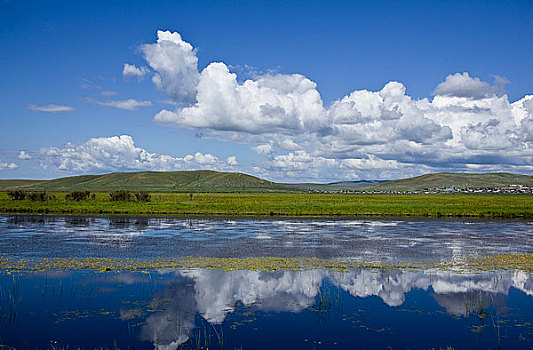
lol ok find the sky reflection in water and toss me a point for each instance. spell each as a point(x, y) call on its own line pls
point(255, 309)
point(170, 309)
point(384, 240)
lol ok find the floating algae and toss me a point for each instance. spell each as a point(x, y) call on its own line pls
point(522, 262)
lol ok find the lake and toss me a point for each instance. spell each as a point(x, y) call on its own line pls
point(197, 308)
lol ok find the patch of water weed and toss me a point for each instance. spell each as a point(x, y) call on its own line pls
point(8, 265)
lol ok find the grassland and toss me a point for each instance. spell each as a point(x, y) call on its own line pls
point(284, 204)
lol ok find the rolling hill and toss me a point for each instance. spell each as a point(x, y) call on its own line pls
point(175, 181)
point(212, 181)
point(456, 180)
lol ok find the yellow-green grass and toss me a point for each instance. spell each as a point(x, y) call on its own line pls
point(8, 265)
point(285, 204)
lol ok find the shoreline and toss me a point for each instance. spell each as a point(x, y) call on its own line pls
point(268, 218)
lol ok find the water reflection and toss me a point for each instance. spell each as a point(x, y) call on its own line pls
point(169, 309)
point(172, 326)
point(215, 294)
point(379, 239)
point(168, 306)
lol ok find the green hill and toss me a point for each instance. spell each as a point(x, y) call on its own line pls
point(175, 181)
point(212, 181)
point(458, 181)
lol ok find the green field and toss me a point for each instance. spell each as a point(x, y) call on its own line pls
point(284, 204)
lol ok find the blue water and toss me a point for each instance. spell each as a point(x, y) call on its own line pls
point(260, 310)
point(311, 309)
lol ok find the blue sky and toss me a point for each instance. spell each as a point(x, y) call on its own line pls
point(323, 91)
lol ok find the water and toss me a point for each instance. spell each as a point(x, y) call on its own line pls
point(385, 239)
point(200, 308)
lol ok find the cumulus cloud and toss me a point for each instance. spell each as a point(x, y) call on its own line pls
point(175, 64)
point(51, 108)
point(128, 105)
point(366, 117)
point(8, 166)
point(121, 153)
point(232, 161)
point(523, 112)
point(277, 103)
point(130, 70)
point(467, 123)
point(24, 155)
point(463, 85)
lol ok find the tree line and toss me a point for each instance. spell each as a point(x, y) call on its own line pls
point(115, 196)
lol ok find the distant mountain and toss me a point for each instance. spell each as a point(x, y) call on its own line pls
point(456, 180)
point(337, 186)
point(175, 181)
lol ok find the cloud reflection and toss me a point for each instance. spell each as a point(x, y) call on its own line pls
point(213, 294)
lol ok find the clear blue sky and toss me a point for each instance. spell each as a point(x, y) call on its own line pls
point(72, 54)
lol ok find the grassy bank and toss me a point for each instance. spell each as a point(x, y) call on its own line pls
point(280, 204)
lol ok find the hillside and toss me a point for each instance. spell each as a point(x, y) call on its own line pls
point(212, 181)
point(336, 186)
point(176, 181)
point(459, 181)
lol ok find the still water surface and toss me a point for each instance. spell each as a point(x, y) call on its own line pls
point(384, 240)
point(200, 308)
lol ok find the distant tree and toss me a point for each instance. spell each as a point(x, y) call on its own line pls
point(40, 196)
point(120, 196)
point(143, 196)
point(17, 195)
point(78, 196)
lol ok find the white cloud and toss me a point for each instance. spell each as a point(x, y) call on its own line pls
point(265, 149)
point(175, 64)
point(128, 105)
point(273, 103)
point(8, 166)
point(232, 161)
point(24, 155)
point(463, 85)
point(130, 70)
point(51, 108)
point(366, 117)
point(467, 123)
point(523, 113)
point(120, 153)
point(370, 163)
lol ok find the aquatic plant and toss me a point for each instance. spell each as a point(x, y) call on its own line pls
point(522, 262)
